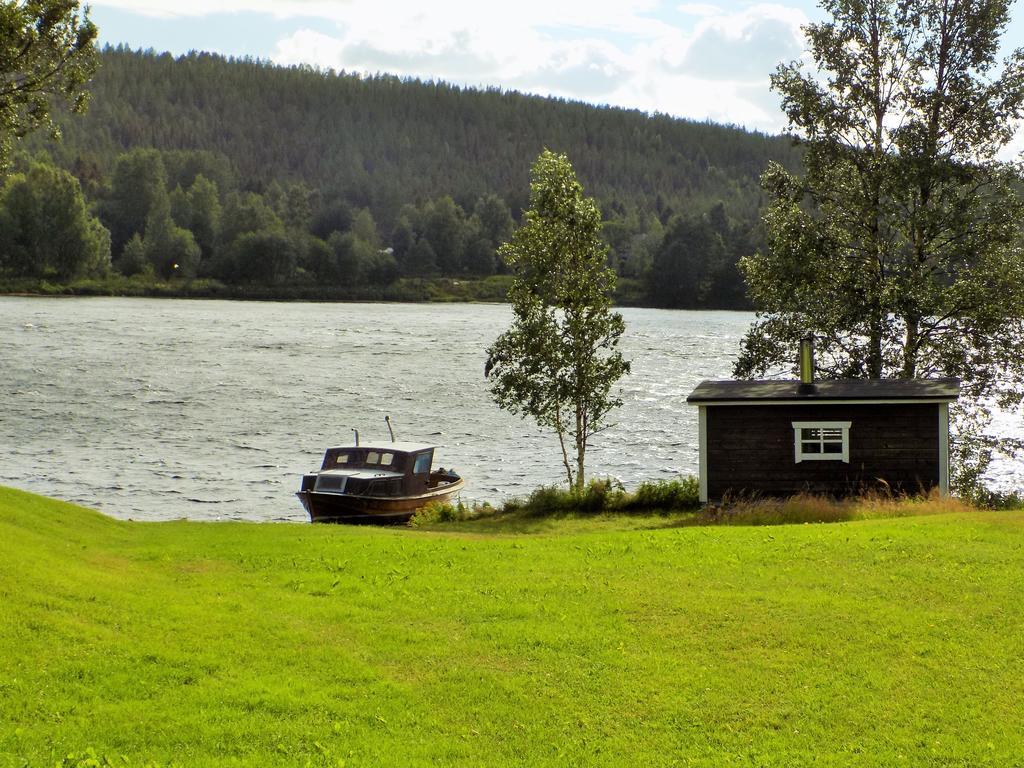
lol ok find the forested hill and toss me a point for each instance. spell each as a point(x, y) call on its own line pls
point(381, 143)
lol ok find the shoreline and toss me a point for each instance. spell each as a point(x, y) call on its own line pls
point(419, 290)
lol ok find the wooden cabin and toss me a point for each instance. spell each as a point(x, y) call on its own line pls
point(779, 438)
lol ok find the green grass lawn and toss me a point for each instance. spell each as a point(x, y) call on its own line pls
point(621, 641)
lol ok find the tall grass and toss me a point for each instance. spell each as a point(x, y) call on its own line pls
point(681, 497)
point(811, 508)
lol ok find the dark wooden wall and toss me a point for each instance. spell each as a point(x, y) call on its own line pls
point(750, 449)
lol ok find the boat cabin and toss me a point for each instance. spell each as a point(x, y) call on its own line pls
point(836, 438)
point(391, 469)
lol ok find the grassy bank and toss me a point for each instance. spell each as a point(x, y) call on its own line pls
point(611, 641)
point(146, 285)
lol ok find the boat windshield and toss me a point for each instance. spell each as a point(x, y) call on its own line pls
point(422, 465)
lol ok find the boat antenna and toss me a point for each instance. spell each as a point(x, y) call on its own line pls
point(357, 437)
point(387, 420)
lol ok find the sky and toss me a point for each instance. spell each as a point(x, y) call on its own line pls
point(699, 60)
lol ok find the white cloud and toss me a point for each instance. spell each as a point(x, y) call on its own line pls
point(196, 8)
point(745, 45)
point(699, 9)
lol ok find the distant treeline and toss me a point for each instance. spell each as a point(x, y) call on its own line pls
point(257, 175)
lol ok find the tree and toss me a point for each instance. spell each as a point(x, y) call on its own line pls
point(45, 228)
point(351, 258)
point(402, 241)
point(246, 213)
point(899, 247)
point(47, 52)
point(364, 228)
point(181, 211)
point(478, 257)
point(494, 219)
point(138, 187)
point(133, 260)
point(266, 256)
point(559, 359)
point(687, 263)
point(421, 260)
point(172, 250)
point(444, 227)
point(296, 207)
point(185, 166)
point(204, 214)
point(333, 216)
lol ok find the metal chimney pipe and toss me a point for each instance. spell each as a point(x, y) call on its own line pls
point(807, 365)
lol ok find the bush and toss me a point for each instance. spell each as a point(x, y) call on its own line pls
point(667, 495)
point(599, 496)
point(989, 499)
point(438, 512)
point(446, 512)
point(546, 500)
point(608, 495)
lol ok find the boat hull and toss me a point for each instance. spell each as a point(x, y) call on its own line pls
point(372, 510)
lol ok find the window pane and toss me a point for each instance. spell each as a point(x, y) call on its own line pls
point(372, 457)
point(387, 458)
point(810, 434)
point(811, 447)
point(422, 464)
point(833, 447)
point(832, 434)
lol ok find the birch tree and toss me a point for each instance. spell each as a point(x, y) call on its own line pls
point(559, 360)
point(47, 53)
point(899, 246)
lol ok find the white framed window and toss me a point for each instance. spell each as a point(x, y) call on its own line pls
point(821, 440)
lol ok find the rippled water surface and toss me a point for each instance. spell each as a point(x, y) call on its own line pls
point(160, 409)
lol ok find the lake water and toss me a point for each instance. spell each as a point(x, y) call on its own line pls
point(160, 409)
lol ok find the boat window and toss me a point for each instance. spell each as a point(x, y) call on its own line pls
point(342, 458)
point(330, 484)
point(372, 457)
point(422, 465)
point(387, 458)
point(384, 488)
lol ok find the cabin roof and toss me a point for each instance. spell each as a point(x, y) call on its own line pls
point(875, 390)
point(398, 447)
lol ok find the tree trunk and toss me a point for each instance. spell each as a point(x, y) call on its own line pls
point(876, 317)
point(581, 447)
point(560, 429)
point(875, 328)
point(910, 348)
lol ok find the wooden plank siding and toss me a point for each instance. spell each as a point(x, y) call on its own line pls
point(750, 449)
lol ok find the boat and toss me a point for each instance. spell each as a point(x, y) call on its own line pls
point(376, 484)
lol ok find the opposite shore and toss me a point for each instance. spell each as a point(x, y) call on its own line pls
point(409, 289)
